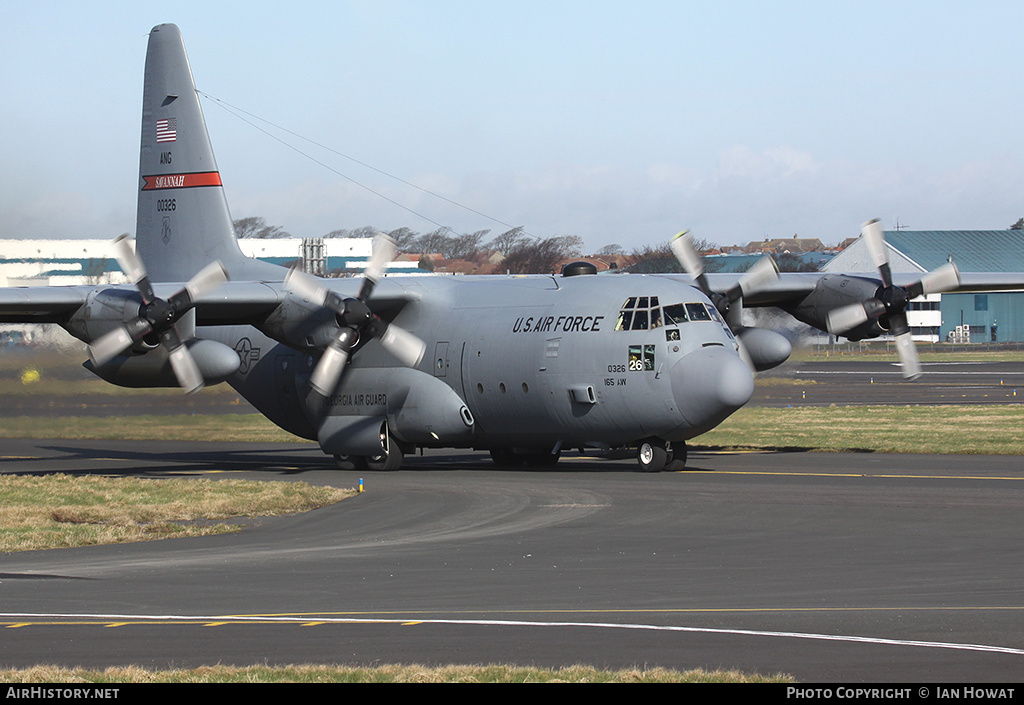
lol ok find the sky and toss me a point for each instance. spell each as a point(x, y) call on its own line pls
point(618, 122)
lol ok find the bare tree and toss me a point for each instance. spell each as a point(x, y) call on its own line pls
point(541, 256)
point(507, 241)
point(256, 227)
point(608, 250)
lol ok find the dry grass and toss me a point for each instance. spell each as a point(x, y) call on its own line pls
point(380, 674)
point(251, 428)
point(60, 511)
point(989, 430)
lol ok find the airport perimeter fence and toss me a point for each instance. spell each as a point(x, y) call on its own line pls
point(889, 346)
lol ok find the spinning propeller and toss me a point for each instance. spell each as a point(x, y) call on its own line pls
point(890, 301)
point(356, 319)
point(158, 316)
point(763, 272)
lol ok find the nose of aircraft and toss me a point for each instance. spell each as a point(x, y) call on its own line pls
point(709, 384)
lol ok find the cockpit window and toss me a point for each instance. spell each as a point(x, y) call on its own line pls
point(624, 321)
point(697, 312)
point(675, 314)
point(640, 313)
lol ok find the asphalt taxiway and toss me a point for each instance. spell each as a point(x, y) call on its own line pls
point(826, 381)
point(849, 567)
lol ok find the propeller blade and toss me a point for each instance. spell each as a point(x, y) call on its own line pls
point(846, 318)
point(907, 351)
point(305, 286)
point(110, 345)
point(691, 262)
point(206, 280)
point(328, 370)
point(133, 268)
point(185, 369)
point(130, 263)
point(403, 345)
point(384, 250)
point(944, 278)
point(764, 271)
point(874, 237)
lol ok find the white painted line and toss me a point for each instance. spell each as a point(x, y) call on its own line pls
point(305, 619)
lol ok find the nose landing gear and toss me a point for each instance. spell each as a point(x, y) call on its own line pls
point(655, 455)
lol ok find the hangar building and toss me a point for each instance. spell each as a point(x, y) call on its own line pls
point(978, 318)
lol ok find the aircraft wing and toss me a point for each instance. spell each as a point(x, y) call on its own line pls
point(232, 303)
point(791, 287)
point(41, 304)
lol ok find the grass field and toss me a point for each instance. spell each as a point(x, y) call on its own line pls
point(991, 429)
point(381, 674)
point(61, 511)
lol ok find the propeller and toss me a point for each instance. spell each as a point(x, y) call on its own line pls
point(158, 316)
point(356, 319)
point(891, 301)
point(764, 271)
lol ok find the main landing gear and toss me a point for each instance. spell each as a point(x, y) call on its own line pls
point(385, 462)
point(655, 455)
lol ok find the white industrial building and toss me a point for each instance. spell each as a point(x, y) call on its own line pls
point(72, 262)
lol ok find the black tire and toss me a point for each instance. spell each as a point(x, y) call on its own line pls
point(385, 462)
point(344, 462)
point(676, 457)
point(652, 455)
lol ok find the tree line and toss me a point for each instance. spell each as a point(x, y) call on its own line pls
point(521, 253)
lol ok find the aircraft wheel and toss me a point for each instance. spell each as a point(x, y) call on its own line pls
point(385, 462)
point(345, 462)
point(676, 456)
point(652, 455)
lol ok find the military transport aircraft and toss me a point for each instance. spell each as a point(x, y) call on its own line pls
point(376, 367)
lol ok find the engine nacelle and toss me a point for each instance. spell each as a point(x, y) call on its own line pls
point(766, 348)
point(216, 363)
point(301, 325)
point(835, 291)
point(104, 310)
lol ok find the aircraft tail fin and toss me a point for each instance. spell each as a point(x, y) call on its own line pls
point(183, 220)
